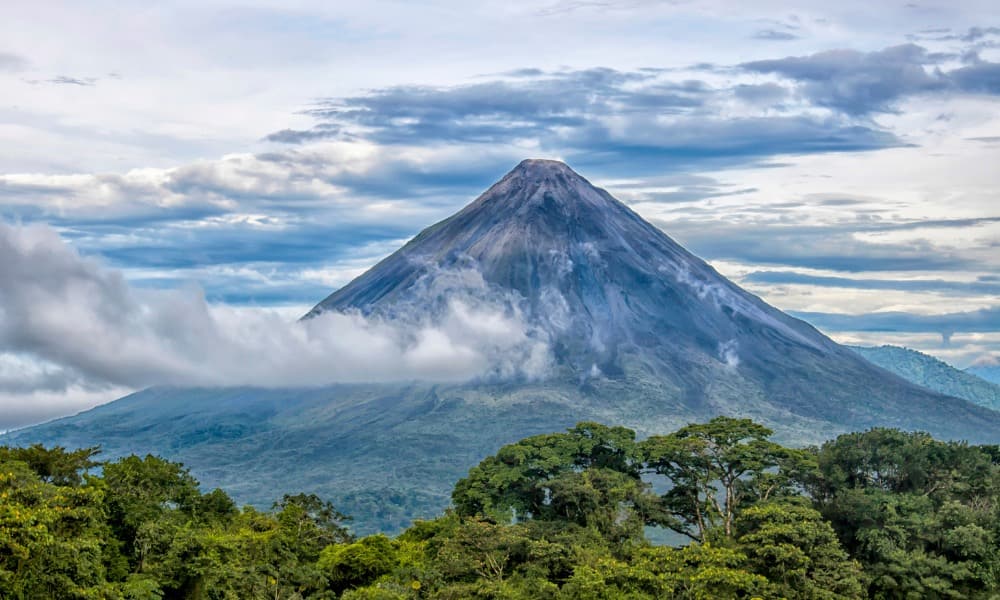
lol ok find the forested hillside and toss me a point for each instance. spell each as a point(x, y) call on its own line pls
point(931, 373)
point(881, 514)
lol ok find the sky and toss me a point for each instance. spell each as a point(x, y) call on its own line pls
point(176, 175)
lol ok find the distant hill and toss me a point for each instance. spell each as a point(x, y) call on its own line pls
point(639, 332)
point(988, 372)
point(934, 374)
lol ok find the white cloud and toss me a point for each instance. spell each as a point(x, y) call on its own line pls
point(84, 322)
point(20, 409)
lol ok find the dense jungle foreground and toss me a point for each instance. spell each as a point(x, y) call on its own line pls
point(879, 514)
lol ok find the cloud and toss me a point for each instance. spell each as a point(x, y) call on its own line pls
point(19, 375)
point(642, 147)
point(979, 321)
point(729, 353)
point(691, 193)
point(763, 94)
point(644, 120)
point(774, 35)
point(67, 80)
point(86, 325)
point(350, 181)
point(975, 34)
point(833, 247)
point(64, 80)
point(860, 83)
point(983, 286)
point(980, 78)
point(12, 62)
point(857, 82)
point(248, 226)
point(500, 109)
point(642, 117)
point(21, 409)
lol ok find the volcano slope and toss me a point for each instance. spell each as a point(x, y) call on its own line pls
point(638, 332)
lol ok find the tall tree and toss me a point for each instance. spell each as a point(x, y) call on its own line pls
point(589, 476)
point(717, 467)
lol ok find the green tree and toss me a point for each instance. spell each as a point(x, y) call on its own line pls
point(311, 524)
point(695, 572)
point(798, 552)
point(358, 563)
point(589, 476)
point(919, 514)
point(715, 468)
point(54, 465)
point(52, 537)
point(146, 498)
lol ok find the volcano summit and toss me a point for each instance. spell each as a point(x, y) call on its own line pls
point(619, 300)
point(636, 331)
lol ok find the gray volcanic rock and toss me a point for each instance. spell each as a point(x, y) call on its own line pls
point(617, 297)
point(641, 332)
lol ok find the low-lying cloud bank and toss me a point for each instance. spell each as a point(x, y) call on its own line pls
point(74, 322)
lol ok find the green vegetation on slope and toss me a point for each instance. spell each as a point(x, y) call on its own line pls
point(933, 374)
point(881, 514)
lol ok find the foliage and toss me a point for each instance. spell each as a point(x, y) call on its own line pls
point(881, 514)
point(51, 537)
point(716, 468)
point(919, 514)
point(797, 551)
point(358, 563)
point(589, 476)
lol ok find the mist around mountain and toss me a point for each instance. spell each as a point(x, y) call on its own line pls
point(934, 374)
point(617, 323)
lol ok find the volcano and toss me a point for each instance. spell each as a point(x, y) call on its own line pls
point(622, 301)
point(639, 332)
